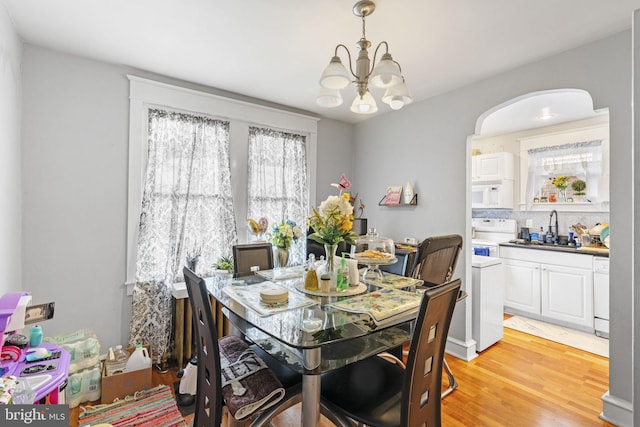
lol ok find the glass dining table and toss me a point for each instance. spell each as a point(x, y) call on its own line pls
point(310, 332)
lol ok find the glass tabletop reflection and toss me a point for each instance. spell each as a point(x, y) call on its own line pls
point(292, 334)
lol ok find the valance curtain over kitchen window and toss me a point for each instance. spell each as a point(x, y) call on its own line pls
point(186, 209)
point(278, 182)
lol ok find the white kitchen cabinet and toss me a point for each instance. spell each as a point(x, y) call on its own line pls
point(522, 290)
point(549, 285)
point(567, 294)
point(492, 167)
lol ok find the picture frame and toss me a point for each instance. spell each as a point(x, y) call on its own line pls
point(393, 195)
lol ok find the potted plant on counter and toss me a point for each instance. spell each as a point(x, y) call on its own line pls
point(578, 186)
point(223, 266)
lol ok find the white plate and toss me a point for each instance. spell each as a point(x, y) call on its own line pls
point(353, 290)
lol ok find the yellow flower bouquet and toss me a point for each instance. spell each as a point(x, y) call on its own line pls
point(561, 182)
point(332, 221)
point(284, 234)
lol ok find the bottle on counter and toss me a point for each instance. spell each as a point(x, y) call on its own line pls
point(542, 235)
point(35, 336)
point(325, 283)
point(342, 279)
point(311, 279)
point(548, 237)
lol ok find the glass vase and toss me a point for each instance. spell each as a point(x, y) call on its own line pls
point(281, 259)
point(329, 255)
point(562, 195)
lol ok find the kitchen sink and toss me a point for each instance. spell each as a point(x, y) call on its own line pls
point(563, 243)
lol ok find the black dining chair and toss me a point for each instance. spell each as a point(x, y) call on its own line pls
point(379, 393)
point(248, 257)
point(407, 261)
point(209, 400)
point(437, 262)
point(438, 257)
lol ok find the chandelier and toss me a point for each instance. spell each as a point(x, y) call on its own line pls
point(385, 75)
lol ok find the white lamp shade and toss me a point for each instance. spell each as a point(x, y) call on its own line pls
point(335, 76)
point(386, 73)
point(397, 96)
point(329, 98)
point(365, 104)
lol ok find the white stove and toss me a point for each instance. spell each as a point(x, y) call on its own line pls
point(488, 233)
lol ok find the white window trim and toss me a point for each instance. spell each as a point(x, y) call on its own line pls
point(145, 93)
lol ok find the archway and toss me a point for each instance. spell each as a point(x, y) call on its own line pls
point(503, 127)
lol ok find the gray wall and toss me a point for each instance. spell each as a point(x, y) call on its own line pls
point(427, 142)
point(10, 167)
point(74, 140)
point(335, 156)
point(75, 151)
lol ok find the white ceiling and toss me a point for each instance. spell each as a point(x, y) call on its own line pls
point(276, 49)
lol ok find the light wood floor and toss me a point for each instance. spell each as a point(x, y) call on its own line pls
point(522, 380)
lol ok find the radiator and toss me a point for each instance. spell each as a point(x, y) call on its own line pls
point(185, 345)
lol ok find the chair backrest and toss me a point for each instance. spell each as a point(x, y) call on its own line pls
point(438, 259)
point(404, 266)
point(421, 395)
point(252, 255)
point(208, 410)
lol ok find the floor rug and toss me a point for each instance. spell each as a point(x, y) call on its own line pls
point(155, 407)
point(581, 340)
point(184, 409)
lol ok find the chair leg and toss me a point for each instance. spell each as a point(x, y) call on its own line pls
point(453, 384)
point(338, 420)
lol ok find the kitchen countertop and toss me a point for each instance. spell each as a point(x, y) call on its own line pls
point(587, 250)
point(484, 261)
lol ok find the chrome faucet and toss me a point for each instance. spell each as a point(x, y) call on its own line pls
point(555, 238)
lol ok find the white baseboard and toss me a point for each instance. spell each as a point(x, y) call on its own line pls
point(465, 350)
point(616, 411)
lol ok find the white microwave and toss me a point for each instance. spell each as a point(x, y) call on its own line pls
point(492, 196)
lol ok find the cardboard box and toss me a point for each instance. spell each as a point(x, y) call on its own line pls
point(126, 383)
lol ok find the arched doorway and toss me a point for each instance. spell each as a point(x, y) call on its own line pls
point(561, 116)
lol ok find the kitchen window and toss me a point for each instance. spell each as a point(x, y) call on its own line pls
point(568, 156)
point(580, 161)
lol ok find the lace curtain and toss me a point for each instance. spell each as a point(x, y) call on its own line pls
point(580, 160)
point(278, 182)
point(186, 209)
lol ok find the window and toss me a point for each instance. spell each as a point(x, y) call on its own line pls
point(277, 181)
point(146, 95)
point(581, 161)
point(186, 205)
point(577, 154)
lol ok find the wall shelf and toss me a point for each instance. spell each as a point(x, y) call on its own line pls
point(566, 207)
point(413, 202)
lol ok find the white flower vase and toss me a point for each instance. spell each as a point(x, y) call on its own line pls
point(408, 193)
